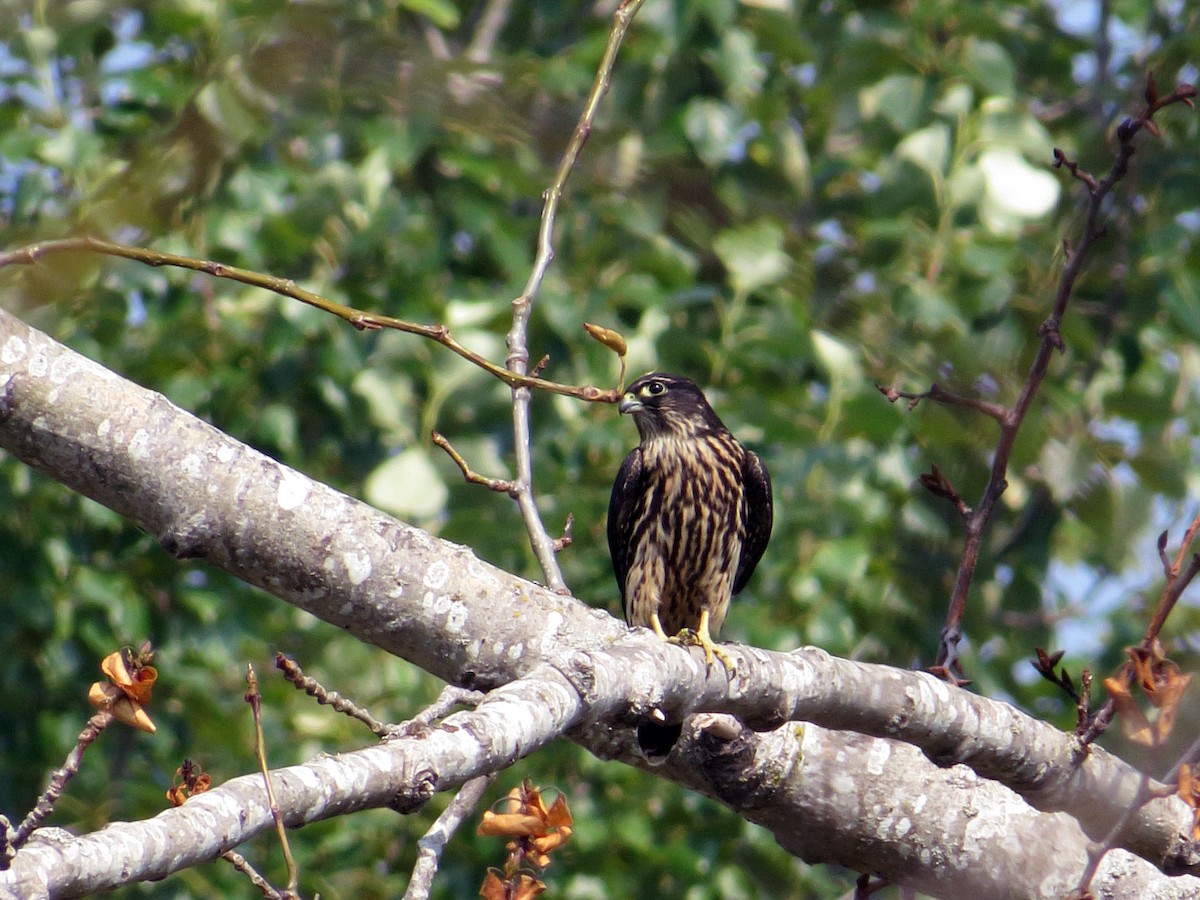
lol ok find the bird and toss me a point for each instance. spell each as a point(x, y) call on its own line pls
point(688, 521)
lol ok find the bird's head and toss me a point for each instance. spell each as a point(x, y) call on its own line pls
point(665, 405)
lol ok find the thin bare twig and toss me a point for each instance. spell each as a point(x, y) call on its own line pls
point(430, 847)
point(435, 41)
point(564, 542)
point(500, 485)
point(495, 14)
point(1011, 419)
point(254, 698)
point(939, 394)
point(241, 864)
point(449, 698)
point(518, 348)
point(60, 778)
point(293, 673)
point(286, 287)
point(1176, 583)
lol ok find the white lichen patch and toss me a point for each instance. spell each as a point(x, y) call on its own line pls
point(139, 444)
point(456, 617)
point(226, 454)
point(483, 574)
point(192, 466)
point(39, 365)
point(437, 575)
point(12, 351)
point(878, 756)
point(929, 693)
point(64, 369)
point(843, 783)
point(358, 566)
point(455, 611)
point(293, 491)
point(104, 428)
point(554, 622)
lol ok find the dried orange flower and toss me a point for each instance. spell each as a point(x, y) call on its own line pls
point(536, 830)
point(128, 690)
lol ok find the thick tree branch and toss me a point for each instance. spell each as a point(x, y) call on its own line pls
point(826, 796)
point(202, 494)
point(401, 774)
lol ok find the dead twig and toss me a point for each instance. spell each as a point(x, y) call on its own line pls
point(517, 340)
point(431, 846)
point(1011, 418)
point(939, 394)
point(1177, 581)
point(500, 485)
point(295, 675)
point(254, 698)
point(286, 287)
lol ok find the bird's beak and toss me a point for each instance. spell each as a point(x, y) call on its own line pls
point(629, 404)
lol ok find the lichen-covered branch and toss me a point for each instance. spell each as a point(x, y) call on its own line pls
point(204, 495)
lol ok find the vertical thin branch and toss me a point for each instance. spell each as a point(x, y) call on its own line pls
point(518, 348)
point(254, 698)
point(1051, 340)
point(60, 778)
point(495, 14)
point(430, 847)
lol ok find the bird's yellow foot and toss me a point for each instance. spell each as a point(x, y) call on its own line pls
point(703, 639)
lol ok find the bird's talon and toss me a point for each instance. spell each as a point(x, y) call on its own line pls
point(688, 637)
point(726, 661)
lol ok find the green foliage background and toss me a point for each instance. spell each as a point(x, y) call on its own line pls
point(789, 201)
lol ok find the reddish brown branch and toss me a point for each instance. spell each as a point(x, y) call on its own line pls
point(500, 485)
point(1177, 581)
point(363, 321)
point(1010, 420)
point(939, 394)
point(937, 484)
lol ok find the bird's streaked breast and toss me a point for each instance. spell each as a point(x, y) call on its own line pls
point(687, 531)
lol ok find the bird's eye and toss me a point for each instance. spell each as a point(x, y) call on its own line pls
point(655, 389)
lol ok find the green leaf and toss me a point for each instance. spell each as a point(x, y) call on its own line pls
point(989, 65)
point(716, 130)
point(753, 255)
point(408, 485)
point(443, 13)
point(900, 99)
point(837, 358)
point(928, 149)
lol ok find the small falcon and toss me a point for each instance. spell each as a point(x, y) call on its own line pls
point(689, 519)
